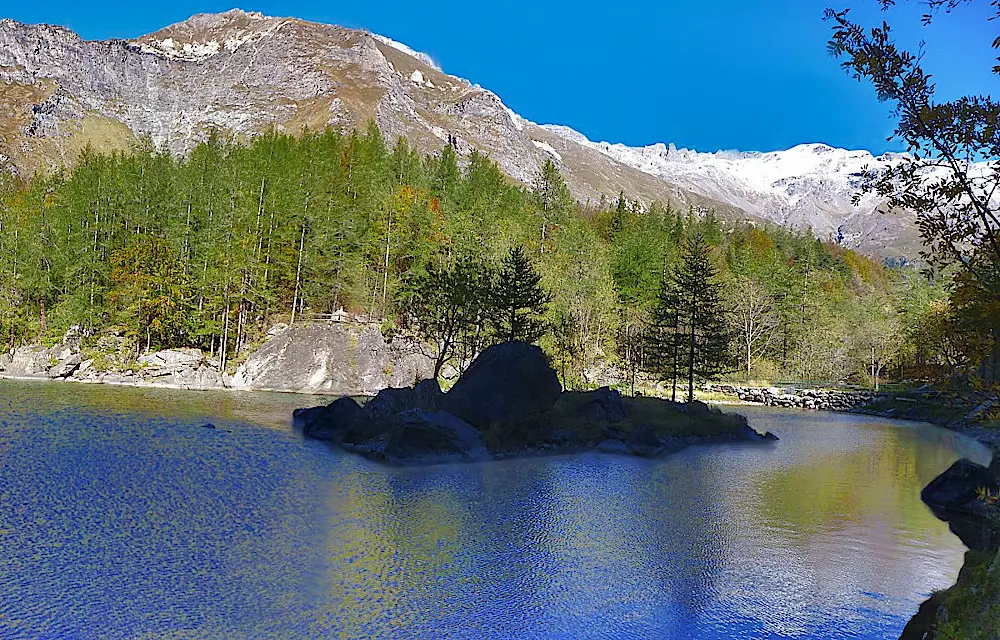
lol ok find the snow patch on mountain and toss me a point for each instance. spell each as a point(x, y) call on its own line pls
point(193, 51)
point(399, 46)
point(545, 146)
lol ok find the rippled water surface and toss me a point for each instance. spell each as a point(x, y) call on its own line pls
point(122, 517)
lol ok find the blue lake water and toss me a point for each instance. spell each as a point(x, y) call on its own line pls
point(122, 517)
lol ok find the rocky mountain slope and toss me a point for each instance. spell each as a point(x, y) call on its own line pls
point(243, 73)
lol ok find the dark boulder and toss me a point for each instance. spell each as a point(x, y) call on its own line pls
point(388, 403)
point(506, 384)
point(698, 409)
point(341, 421)
point(422, 437)
point(612, 445)
point(303, 418)
point(967, 497)
point(561, 436)
point(644, 442)
point(428, 394)
point(745, 432)
point(605, 405)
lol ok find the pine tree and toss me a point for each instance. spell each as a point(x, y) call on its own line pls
point(519, 301)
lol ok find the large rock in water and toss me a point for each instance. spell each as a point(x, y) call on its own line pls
point(967, 497)
point(343, 418)
point(506, 384)
point(335, 358)
point(423, 437)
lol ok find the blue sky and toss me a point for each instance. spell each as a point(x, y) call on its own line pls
point(709, 74)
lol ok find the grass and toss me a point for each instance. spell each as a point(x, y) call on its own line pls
point(715, 396)
point(971, 609)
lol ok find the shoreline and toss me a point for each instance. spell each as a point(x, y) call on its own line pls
point(168, 386)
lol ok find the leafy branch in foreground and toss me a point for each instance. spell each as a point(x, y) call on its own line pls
point(951, 175)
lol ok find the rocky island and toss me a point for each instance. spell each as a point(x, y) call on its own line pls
point(509, 403)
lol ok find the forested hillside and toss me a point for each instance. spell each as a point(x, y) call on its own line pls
point(211, 249)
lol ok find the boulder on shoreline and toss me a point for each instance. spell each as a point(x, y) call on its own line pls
point(967, 497)
point(333, 358)
point(509, 404)
point(434, 436)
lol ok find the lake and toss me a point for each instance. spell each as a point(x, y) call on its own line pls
point(121, 516)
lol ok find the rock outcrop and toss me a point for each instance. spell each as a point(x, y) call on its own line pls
point(434, 437)
point(329, 358)
point(34, 361)
point(333, 358)
point(967, 497)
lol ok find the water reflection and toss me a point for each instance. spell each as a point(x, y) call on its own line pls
point(121, 517)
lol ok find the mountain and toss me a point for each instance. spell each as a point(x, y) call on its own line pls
point(244, 73)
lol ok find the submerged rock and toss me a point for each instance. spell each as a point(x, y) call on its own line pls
point(644, 442)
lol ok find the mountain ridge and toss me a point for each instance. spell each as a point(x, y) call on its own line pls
point(244, 73)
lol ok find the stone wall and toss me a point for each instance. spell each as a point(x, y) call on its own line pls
point(818, 399)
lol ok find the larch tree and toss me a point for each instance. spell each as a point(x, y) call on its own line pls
point(754, 318)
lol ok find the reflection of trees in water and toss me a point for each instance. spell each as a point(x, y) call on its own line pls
point(428, 549)
point(832, 489)
point(39, 398)
point(769, 539)
point(850, 517)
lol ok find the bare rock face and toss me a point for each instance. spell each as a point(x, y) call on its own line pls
point(339, 358)
point(243, 73)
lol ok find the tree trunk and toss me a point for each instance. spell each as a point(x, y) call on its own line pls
point(690, 398)
point(385, 273)
point(298, 271)
point(675, 345)
point(748, 360)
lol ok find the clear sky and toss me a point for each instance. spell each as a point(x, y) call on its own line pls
point(704, 74)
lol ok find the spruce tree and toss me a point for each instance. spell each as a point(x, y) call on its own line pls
point(690, 334)
point(664, 334)
point(519, 301)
